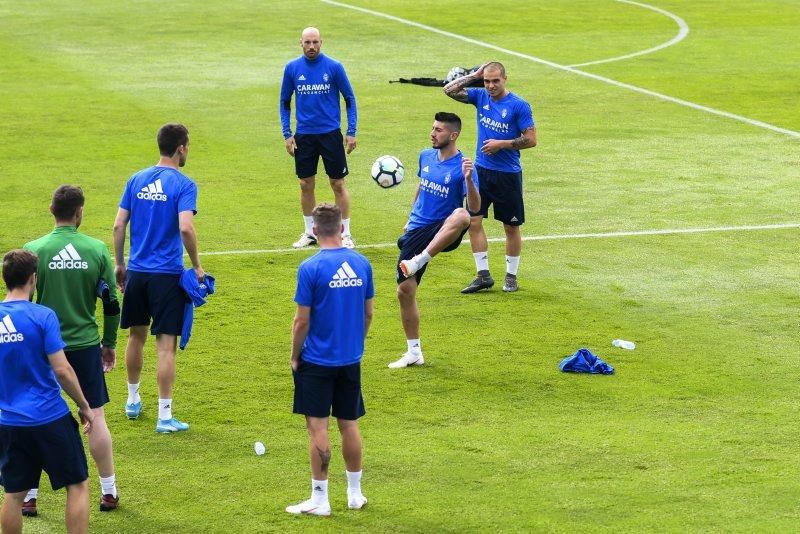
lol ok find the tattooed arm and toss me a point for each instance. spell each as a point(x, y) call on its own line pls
point(526, 140)
point(457, 89)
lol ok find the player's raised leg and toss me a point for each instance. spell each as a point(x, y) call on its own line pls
point(452, 228)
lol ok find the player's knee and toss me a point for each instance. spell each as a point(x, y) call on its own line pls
point(307, 184)
point(461, 217)
point(405, 291)
point(337, 185)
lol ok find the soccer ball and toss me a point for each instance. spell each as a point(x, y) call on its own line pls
point(387, 171)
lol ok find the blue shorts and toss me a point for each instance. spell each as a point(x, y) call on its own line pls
point(504, 190)
point(415, 241)
point(153, 295)
point(318, 388)
point(330, 146)
point(55, 447)
point(88, 366)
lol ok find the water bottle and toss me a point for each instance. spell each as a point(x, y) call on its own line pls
point(621, 343)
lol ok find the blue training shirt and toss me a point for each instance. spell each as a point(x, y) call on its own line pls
point(335, 283)
point(442, 188)
point(154, 197)
point(505, 119)
point(29, 392)
point(316, 84)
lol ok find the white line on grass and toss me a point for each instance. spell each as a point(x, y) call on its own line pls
point(600, 235)
point(683, 31)
point(681, 102)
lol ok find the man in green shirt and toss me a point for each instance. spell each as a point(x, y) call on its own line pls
point(74, 271)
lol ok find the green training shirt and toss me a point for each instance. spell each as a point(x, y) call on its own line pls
point(71, 266)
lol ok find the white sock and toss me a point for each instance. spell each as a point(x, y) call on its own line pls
point(353, 482)
point(414, 346)
point(423, 258)
point(481, 260)
point(346, 223)
point(309, 222)
point(512, 264)
point(32, 494)
point(165, 409)
point(133, 393)
point(319, 491)
point(109, 485)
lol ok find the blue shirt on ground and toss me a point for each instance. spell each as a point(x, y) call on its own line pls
point(505, 119)
point(442, 188)
point(316, 84)
point(335, 283)
point(154, 197)
point(29, 392)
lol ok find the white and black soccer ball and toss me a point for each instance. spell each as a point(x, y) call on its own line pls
point(388, 171)
point(456, 73)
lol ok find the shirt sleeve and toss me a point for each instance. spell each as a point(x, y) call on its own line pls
point(52, 333)
point(472, 95)
point(524, 116)
point(285, 104)
point(370, 293)
point(111, 304)
point(349, 100)
point(304, 296)
point(125, 201)
point(188, 198)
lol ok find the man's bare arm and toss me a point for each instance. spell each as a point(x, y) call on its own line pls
point(526, 140)
point(457, 89)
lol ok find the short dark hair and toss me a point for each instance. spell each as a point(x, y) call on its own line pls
point(170, 137)
point(18, 266)
point(495, 65)
point(451, 119)
point(327, 219)
point(66, 201)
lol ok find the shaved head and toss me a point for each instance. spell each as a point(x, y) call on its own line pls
point(311, 42)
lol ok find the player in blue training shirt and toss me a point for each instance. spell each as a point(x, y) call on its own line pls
point(160, 203)
point(316, 81)
point(437, 222)
point(505, 126)
point(37, 431)
point(334, 309)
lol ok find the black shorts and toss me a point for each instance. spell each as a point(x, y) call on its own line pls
point(55, 447)
point(318, 388)
point(88, 366)
point(153, 295)
point(415, 241)
point(309, 149)
point(504, 190)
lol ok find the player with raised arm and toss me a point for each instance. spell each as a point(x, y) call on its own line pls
point(160, 203)
point(437, 222)
point(505, 126)
point(316, 80)
point(334, 299)
point(74, 271)
point(37, 430)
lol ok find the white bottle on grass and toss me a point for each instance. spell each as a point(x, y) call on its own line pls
point(621, 343)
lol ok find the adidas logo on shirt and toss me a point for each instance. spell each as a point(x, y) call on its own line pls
point(486, 107)
point(68, 258)
point(426, 169)
point(152, 192)
point(345, 277)
point(8, 332)
point(302, 78)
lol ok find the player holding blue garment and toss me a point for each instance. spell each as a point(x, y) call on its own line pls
point(316, 80)
point(505, 126)
point(437, 222)
point(334, 300)
point(160, 203)
point(37, 431)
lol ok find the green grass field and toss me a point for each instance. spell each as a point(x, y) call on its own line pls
point(697, 430)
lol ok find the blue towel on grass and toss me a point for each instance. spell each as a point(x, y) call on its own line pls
point(583, 361)
point(197, 292)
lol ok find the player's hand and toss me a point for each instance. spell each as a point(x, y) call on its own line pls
point(109, 357)
point(87, 419)
point(200, 274)
point(405, 227)
point(466, 168)
point(350, 143)
point(294, 364)
point(479, 73)
point(492, 146)
point(291, 146)
point(121, 274)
